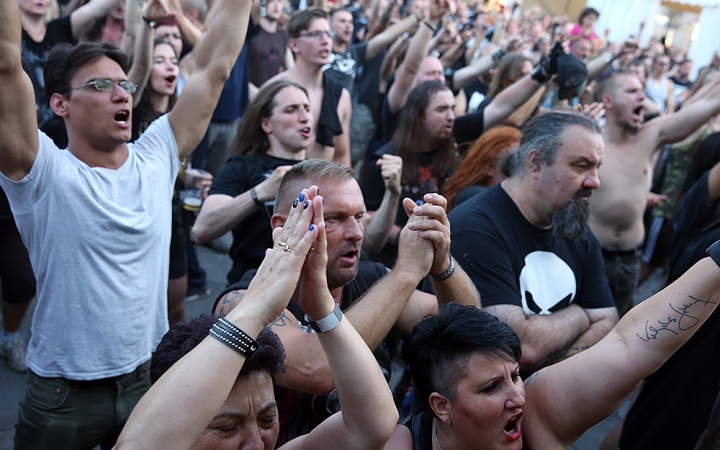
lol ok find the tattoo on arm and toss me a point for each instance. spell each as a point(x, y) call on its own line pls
point(557, 356)
point(280, 321)
point(229, 301)
point(678, 319)
point(529, 379)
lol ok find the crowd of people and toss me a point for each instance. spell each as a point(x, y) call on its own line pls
point(466, 191)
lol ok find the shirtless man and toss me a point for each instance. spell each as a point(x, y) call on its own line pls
point(310, 39)
point(630, 149)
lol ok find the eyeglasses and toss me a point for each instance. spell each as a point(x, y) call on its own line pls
point(318, 34)
point(107, 85)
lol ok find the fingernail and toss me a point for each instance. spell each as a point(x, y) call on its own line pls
point(312, 227)
point(323, 200)
point(417, 211)
point(302, 196)
point(305, 205)
point(295, 202)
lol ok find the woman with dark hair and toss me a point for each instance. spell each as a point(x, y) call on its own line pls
point(273, 135)
point(218, 394)
point(585, 28)
point(481, 166)
point(424, 141)
point(465, 365)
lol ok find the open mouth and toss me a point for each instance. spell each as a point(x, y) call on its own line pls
point(170, 80)
point(306, 132)
point(350, 257)
point(122, 117)
point(637, 112)
point(512, 429)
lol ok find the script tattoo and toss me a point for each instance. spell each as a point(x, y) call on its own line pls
point(679, 320)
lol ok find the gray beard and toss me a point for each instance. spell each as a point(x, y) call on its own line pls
point(570, 222)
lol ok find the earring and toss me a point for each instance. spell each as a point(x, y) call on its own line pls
point(449, 421)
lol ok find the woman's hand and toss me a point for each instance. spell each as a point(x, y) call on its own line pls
point(278, 275)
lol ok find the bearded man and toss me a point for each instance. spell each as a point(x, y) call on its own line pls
point(526, 245)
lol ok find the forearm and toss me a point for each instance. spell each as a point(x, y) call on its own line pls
point(10, 36)
point(142, 62)
point(173, 413)
point(375, 314)
point(598, 329)
point(509, 100)
point(380, 225)
point(387, 37)
point(408, 70)
point(84, 17)
point(190, 33)
point(368, 410)
point(597, 66)
point(545, 338)
point(131, 21)
point(457, 288)
point(216, 219)
point(467, 74)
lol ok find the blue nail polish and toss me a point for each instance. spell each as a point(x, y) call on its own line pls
point(305, 205)
point(312, 227)
point(295, 202)
point(323, 200)
point(302, 196)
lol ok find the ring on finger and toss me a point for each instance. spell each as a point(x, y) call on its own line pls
point(285, 246)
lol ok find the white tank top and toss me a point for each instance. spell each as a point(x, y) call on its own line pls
point(658, 92)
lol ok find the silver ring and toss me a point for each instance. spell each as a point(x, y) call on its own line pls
point(285, 247)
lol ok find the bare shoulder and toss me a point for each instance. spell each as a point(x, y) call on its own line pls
point(281, 76)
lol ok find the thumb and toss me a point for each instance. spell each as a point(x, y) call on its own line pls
point(408, 205)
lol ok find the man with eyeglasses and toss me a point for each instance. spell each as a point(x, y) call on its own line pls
point(95, 220)
point(659, 88)
point(310, 39)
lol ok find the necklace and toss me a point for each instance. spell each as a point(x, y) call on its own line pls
point(437, 439)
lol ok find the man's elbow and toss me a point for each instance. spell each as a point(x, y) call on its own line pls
point(312, 377)
point(201, 234)
point(532, 358)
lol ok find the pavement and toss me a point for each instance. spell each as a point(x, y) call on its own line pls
point(12, 384)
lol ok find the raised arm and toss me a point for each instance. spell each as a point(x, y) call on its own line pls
point(217, 53)
point(697, 110)
point(342, 141)
point(18, 120)
point(83, 18)
point(449, 280)
point(179, 406)
point(408, 71)
point(379, 224)
point(383, 40)
point(139, 73)
point(599, 379)
point(368, 414)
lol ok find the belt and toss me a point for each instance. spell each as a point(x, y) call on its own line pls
point(609, 252)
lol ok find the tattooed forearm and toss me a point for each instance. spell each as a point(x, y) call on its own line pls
point(280, 321)
point(228, 302)
point(678, 319)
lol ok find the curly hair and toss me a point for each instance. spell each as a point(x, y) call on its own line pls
point(481, 161)
point(183, 337)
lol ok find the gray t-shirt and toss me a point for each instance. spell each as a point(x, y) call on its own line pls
point(99, 243)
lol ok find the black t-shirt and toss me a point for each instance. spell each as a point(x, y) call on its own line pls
point(466, 129)
point(342, 67)
point(266, 54)
point(697, 226)
point(675, 402)
point(34, 55)
point(373, 189)
point(300, 412)
point(252, 236)
point(511, 261)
